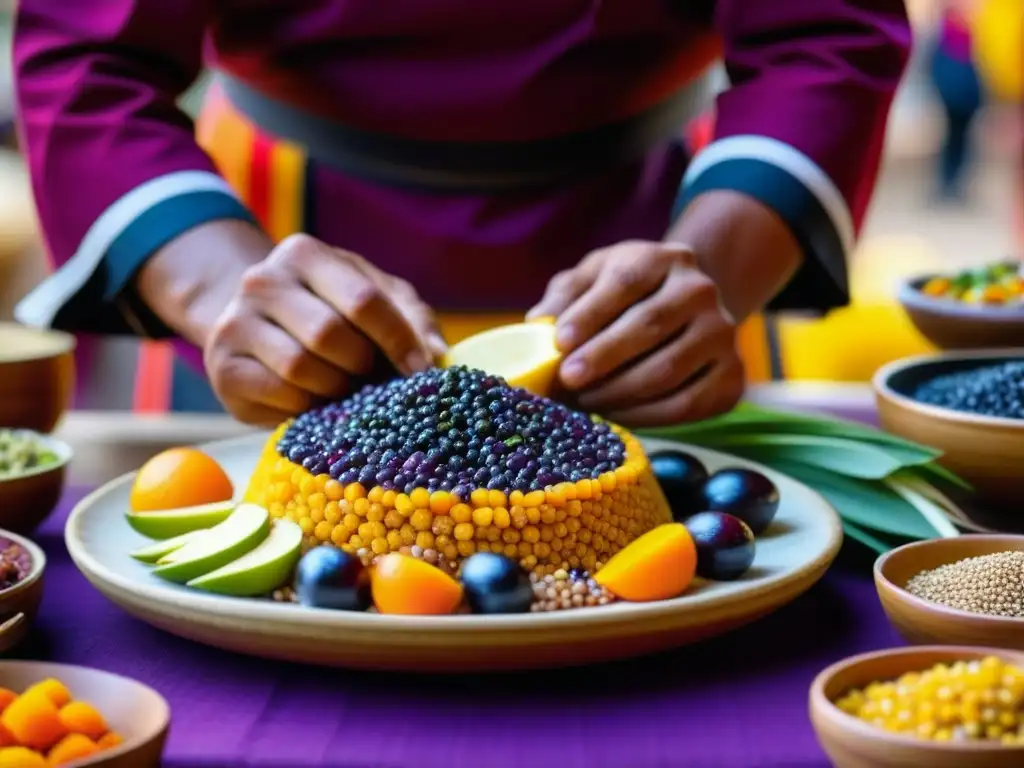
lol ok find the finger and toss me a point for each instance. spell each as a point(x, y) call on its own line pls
point(564, 288)
point(421, 317)
point(641, 329)
point(320, 329)
point(714, 393)
point(256, 415)
point(664, 370)
point(621, 284)
point(363, 303)
point(288, 359)
point(242, 379)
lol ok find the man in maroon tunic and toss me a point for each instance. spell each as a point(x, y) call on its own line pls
point(459, 154)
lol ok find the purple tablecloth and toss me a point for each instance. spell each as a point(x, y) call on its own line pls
point(735, 702)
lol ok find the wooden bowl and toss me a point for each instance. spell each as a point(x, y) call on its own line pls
point(852, 743)
point(950, 324)
point(19, 604)
point(138, 713)
point(922, 621)
point(985, 451)
point(28, 499)
point(37, 377)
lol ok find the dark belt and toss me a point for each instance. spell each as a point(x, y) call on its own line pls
point(466, 167)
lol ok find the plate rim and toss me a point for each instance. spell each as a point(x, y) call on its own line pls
point(250, 609)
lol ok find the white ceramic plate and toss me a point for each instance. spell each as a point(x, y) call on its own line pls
point(791, 557)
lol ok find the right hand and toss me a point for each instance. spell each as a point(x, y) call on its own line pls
point(304, 323)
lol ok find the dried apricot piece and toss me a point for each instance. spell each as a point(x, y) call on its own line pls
point(80, 717)
point(409, 586)
point(53, 689)
point(659, 565)
point(21, 757)
point(109, 740)
point(6, 697)
point(34, 721)
point(72, 747)
point(7, 738)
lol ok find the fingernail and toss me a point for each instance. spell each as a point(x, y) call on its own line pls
point(565, 337)
point(573, 371)
point(416, 361)
point(438, 344)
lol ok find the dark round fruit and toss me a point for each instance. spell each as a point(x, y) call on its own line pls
point(495, 584)
point(454, 430)
point(681, 476)
point(725, 545)
point(326, 577)
point(743, 493)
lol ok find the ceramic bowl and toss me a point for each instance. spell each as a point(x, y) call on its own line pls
point(138, 713)
point(28, 499)
point(950, 324)
point(19, 603)
point(922, 621)
point(852, 743)
point(37, 376)
point(985, 451)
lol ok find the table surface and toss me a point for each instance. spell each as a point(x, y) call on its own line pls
point(739, 701)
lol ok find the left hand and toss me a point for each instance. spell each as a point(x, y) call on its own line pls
point(646, 337)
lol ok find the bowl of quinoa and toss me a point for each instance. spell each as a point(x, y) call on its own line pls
point(970, 406)
point(22, 565)
point(967, 590)
point(32, 472)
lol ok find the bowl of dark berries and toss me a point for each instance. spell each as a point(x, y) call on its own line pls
point(22, 564)
point(32, 470)
point(970, 406)
point(971, 309)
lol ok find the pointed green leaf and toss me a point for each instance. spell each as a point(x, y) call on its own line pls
point(932, 470)
point(928, 509)
point(868, 539)
point(759, 420)
point(846, 457)
point(867, 503)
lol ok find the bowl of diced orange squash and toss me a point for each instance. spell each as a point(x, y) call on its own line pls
point(75, 717)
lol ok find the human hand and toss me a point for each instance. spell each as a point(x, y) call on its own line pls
point(646, 338)
point(304, 323)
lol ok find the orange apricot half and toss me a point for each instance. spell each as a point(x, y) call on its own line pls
point(406, 585)
point(659, 565)
point(72, 747)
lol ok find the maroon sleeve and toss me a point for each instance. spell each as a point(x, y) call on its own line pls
point(115, 169)
point(802, 126)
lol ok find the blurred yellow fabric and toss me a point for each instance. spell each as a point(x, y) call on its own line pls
point(998, 28)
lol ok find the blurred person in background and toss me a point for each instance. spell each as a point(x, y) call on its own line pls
point(956, 81)
point(451, 156)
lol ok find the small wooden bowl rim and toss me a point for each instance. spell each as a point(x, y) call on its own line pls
point(827, 708)
point(63, 451)
point(35, 572)
point(880, 383)
point(67, 343)
point(939, 608)
point(163, 709)
point(910, 295)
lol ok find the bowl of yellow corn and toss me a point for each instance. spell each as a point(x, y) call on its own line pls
point(970, 309)
point(939, 706)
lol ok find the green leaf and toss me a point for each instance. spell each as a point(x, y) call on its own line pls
point(845, 457)
point(929, 510)
point(866, 503)
point(751, 419)
point(929, 472)
point(869, 539)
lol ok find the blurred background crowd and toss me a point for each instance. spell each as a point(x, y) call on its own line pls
point(950, 195)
